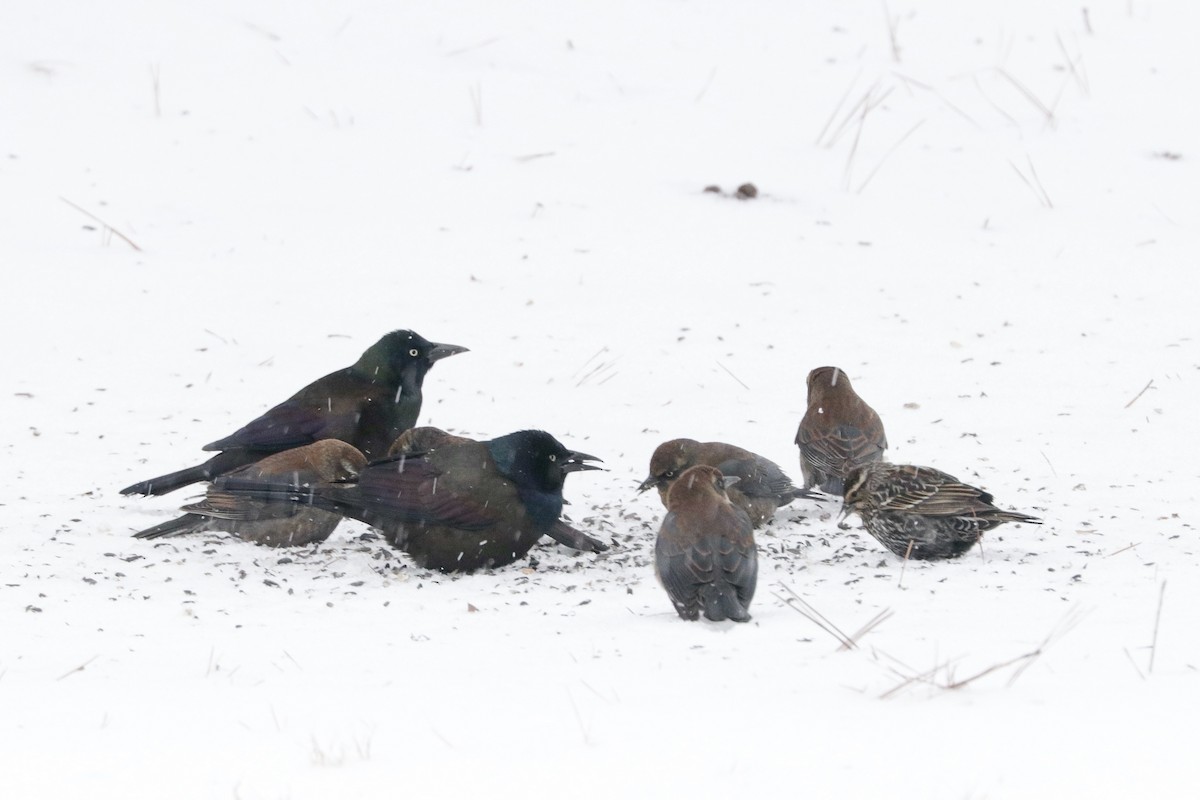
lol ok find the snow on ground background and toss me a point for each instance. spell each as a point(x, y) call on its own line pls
point(1000, 252)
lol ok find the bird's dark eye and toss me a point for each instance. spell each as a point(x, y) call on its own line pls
point(414, 352)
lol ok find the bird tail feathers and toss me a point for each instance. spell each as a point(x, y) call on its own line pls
point(721, 603)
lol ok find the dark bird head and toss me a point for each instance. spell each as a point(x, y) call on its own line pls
point(538, 464)
point(669, 461)
point(401, 358)
point(828, 382)
point(699, 484)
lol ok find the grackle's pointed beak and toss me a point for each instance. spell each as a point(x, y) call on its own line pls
point(647, 484)
point(440, 351)
point(575, 462)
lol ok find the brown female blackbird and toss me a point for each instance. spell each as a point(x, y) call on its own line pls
point(761, 487)
point(705, 555)
point(272, 522)
point(838, 433)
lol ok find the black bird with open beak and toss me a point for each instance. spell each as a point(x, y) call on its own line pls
point(426, 439)
point(456, 508)
point(367, 405)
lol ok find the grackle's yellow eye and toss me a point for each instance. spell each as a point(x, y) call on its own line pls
point(414, 352)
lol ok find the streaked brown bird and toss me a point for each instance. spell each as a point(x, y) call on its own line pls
point(705, 555)
point(426, 439)
point(761, 485)
point(838, 433)
point(457, 508)
point(366, 405)
point(921, 512)
point(270, 522)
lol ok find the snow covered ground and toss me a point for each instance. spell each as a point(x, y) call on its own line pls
point(984, 212)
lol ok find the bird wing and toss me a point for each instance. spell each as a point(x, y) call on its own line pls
point(932, 492)
point(292, 424)
point(837, 449)
point(424, 490)
point(758, 477)
point(721, 550)
point(235, 506)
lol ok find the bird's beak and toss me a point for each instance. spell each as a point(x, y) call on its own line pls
point(440, 351)
point(575, 462)
point(647, 484)
point(846, 511)
point(730, 480)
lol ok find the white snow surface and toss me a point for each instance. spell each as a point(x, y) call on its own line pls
point(986, 213)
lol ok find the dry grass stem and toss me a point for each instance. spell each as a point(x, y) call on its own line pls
point(1047, 111)
point(108, 228)
point(806, 610)
point(1139, 394)
point(1034, 185)
point(837, 108)
point(1075, 66)
point(887, 155)
point(1157, 618)
point(80, 668)
point(1123, 549)
point(735, 377)
point(904, 563)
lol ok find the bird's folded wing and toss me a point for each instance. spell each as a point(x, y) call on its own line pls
point(932, 492)
point(242, 508)
point(409, 489)
point(758, 477)
point(289, 424)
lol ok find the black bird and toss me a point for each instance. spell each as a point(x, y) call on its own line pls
point(838, 433)
point(366, 405)
point(426, 439)
point(921, 512)
point(276, 523)
point(761, 487)
point(705, 555)
point(456, 508)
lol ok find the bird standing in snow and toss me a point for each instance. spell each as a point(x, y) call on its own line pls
point(705, 555)
point(838, 433)
point(456, 508)
point(922, 513)
point(761, 487)
point(367, 405)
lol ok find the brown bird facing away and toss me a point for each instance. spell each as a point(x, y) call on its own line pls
point(921, 512)
point(761, 485)
point(838, 433)
point(456, 508)
point(272, 522)
point(705, 555)
point(426, 439)
point(366, 405)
